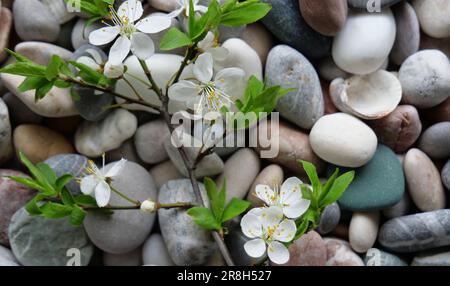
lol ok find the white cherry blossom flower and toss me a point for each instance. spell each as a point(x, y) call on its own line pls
point(268, 231)
point(148, 206)
point(211, 45)
point(288, 198)
point(95, 62)
point(97, 182)
point(183, 7)
point(208, 93)
point(131, 36)
point(113, 70)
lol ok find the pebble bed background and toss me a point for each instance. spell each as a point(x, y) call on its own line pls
point(372, 94)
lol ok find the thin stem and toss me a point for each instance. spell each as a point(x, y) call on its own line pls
point(137, 203)
point(112, 208)
point(174, 205)
point(189, 54)
point(133, 88)
point(151, 79)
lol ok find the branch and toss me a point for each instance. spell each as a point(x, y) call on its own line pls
point(190, 53)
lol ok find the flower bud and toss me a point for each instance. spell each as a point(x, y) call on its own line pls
point(148, 206)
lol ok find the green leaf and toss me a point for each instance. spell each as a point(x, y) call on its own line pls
point(245, 13)
point(36, 173)
point(62, 181)
point(31, 83)
point(338, 188)
point(307, 194)
point(326, 188)
point(173, 39)
point(32, 206)
point(65, 70)
point(234, 208)
point(27, 182)
point(216, 198)
point(48, 173)
point(18, 56)
point(66, 197)
point(77, 216)
point(208, 21)
point(311, 171)
point(86, 73)
point(54, 210)
point(52, 71)
point(42, 91)
point(85, 200)
point(62, 84)
point(24, 69)
point(191, 20)
point(204, 218)
point(301, 229)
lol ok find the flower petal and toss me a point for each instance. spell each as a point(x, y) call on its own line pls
point(116, 168)
point(154, 24)
point(103, 35)
point(203, 68)
point(255, 248)
point(131, 9)
point(120, 50)
point(266, 194)
point(88, 184)
point(88, 62)
point(175, 13)
point(278, 253)
point(231, 81)
point(102, 193)
point(271, 217)
point(256, 211)
point(251, 226)
point(285, 231)
point(290, 191)
point(142, 46)
point(113, 71)
point(207, 42)
point(184, 91)
point(296, 209)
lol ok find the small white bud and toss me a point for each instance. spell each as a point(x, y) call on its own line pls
point(148, 206)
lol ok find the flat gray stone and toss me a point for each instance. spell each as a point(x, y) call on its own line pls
point(376, 257)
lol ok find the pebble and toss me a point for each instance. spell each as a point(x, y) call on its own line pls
point(14, 196)
point(94, 138)
point(64, 38)
point(38, 241)
point(339, 253)
point(124, 231)
point(400, 209)
point(39, 143)
point(6, 147)
point(435, 141)
point(34, 21)
point(407, 39)
point(80, 32)
point(164, 172)
point(329, 71)
point(363, 230)
point(126, 151)
point(429, 43)
point(209, 166)
point(56, 104)
point(425, 78)
point(343, 140)
point(326, 17)
point(243, 56)
point(308, 250)
point(261, 40)
point(290, 69)
point(149, 141)
point(362, 4)
point(235, 241)
point(446, 175)
point(7, 257)
point(287, 24)
point(432, 258)
point(434, 17)
point(424, 181)
point(42, 53)
point(271, 176)
point(400, 129)
point(377, 185)
point(73, 164)
point(163, 5)
point(22, 114)
point(439, 113)
point(239, 172)
point(416, 232)
point(293, 145)
point(186, 242)
point(365, 41)
point(132, 258)
point(376, 257)
point(5, 28)
point(329, 219)
point(154, 251)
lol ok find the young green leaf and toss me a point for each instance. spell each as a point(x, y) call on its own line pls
point(326, 188)
point(67, 197)
point(27, 182)
point(77, 216)
point(48, 173)
point(24, 69)
point(311, 171)
point(307, 194)
point(54, 210)
point(234, 208)
point(338, 188)
point(32, 206)
point(62, 181)
point(53, 68)
point(245, 13)
point(204, 218)
point(85, 200)
point(42, 91)
point(31, 83)
point(216, 198)
point(173, 39)
point(36, 173)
